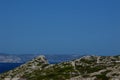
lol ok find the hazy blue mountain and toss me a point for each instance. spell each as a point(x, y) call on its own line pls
point(21, 58)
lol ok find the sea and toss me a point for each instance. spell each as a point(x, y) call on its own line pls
point(4, 67)
point(8, 66)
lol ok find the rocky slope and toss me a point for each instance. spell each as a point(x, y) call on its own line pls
point(85, 68)
point(36, 64)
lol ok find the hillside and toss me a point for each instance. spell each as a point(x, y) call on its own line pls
point(84, 68)
point(29, 67)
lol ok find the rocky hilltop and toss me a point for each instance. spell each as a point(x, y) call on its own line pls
point(84, 68)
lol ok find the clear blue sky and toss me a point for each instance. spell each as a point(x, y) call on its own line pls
point(60, 26)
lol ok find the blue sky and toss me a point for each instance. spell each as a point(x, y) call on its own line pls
point(60, 26)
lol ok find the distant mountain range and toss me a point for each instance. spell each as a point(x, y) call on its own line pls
point(15, 58)
point(22, 58)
